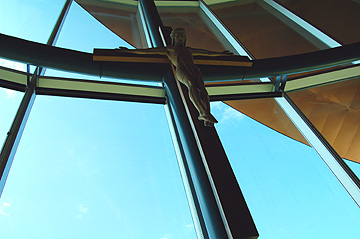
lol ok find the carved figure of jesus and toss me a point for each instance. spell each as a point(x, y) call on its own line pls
point(186, 71)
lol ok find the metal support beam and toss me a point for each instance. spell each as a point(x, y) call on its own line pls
point(59, 23)
point(323, 78)
point(280, 82)
point(100, 90)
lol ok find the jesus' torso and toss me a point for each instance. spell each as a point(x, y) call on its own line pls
point(181, 58)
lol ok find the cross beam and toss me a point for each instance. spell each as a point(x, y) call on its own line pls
point(116, 56)
point(221, 208)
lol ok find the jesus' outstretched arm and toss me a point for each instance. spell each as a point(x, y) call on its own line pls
point(202, 52)
point(145, 51)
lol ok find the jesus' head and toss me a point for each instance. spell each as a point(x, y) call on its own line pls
point(178, 36)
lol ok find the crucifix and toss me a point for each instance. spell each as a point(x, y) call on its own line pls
point(181, 57)
point(221, 208)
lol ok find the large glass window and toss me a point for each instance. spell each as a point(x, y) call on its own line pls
point(12, 65)
point(333, 17)
point(120, 16)
point(355, 167)
point(95, 169)
point(83, 32)
point(9, 103)
point(289, 190)
point(335, 111)
point(31, 20)
point(189, 16)
point(259, 31)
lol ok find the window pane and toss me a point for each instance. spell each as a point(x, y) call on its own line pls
point(198, 34)
point(121, 16)
point(32, 20)
point(337, 18)
point(9, 103)
point(95, 169)
point(355, 167)
point(259, 31)
point(334, 110)
point(289, 190)
point(13, 65)
point(82, 32)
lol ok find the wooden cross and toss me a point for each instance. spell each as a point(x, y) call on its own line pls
point(112, 55)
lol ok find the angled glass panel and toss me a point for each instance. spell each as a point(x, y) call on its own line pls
point(187, 14)
point(83, 32)
point(9, 104)
point(259, 31)
point(95, 169)
point(332, 17)
point(13, 65)
point(30, 20)
point(119, 16)
point(334, 109)
point(289, 190)
point(355, 167)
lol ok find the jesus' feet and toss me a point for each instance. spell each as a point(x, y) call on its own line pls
point(208, 119)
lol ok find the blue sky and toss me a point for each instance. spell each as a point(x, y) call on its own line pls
point(107, 169)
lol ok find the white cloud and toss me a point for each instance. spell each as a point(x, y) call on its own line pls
point(189, 225)
point(230, 113)
point(13, 65)
point(216, 104)
point(10, 93)
point(2, 208)
point(166, 237)
point(82, 210)
point(226, 112)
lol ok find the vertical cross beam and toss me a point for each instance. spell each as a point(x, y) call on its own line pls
point(222, 207)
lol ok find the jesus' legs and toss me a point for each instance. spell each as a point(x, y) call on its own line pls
point(201, 103)
point(197, 93)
